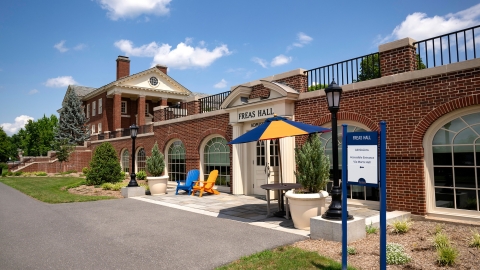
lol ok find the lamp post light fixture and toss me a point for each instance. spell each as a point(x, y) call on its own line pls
point(334, 212)
point(133, 134)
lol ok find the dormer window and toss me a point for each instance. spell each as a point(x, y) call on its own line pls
point(153, 81)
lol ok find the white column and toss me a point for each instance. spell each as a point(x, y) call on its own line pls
point(238, 154)
point(287, 152)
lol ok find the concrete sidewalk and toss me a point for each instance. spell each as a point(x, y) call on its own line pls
point(247, 209)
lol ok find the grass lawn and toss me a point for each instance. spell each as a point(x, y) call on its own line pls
point(285, 258)
point(50, 189)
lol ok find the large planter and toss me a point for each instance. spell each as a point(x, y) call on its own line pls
point(305, 206)
point(157, 185)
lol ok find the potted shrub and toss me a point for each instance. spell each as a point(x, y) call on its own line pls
point(313, 173)
point(155, 167)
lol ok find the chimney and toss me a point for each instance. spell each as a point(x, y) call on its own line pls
point(123, 67)
point(162, 68)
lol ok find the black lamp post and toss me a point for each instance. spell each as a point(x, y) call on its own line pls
point(334, 93)
point(133, 134)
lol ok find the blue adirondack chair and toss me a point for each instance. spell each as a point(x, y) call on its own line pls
point(187, 185)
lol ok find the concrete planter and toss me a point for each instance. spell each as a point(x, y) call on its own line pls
point(305, 206)
point(157, 185)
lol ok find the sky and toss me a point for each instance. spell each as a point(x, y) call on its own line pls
point(208, 46)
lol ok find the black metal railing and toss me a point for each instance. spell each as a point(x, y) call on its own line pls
point(175, 111)
point(125, 132)
point(446, 49)
point(144, 129)
point(357, 69)
point(101, 136)
point(112, 134)
point(213, 102)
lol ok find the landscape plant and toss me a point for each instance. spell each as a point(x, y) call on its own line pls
point(105, 166)
point(371, 229)
point(396, 254)
point(446, 256)
point(141, 175)
point(351, 251)
point(72, 127)
point(441, 240)
point(401, 226)
point(313, 166)
point(475, 241)
point(156, 162)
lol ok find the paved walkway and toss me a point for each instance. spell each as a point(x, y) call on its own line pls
point(246, 209)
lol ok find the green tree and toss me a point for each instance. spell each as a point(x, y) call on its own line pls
point(316, 87)
point(63, 150)
point(5, 146)
point(420, 64)
point(105, 166)
point(72, 125)
point(156, 163)
point(39, 137)
point(313, 166)
point(369, 68)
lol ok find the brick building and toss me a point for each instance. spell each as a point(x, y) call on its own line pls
point(432, 114)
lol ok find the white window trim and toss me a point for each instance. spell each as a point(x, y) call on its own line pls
point(93, 129)
point(94, 108)
point(432, 210)
point(147, 109)
point(88, 110)
point(100, 106)
point(123, 106)
point(99, 127)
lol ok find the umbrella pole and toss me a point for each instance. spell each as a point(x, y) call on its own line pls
point(279, 162)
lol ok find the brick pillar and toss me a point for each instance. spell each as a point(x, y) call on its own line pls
point(397, 57)
point(123, 67)
point(117, 111)
point(141, 111)
point(163, 102)
point(193, 107)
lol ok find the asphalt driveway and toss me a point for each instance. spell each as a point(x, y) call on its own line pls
point(121, 234)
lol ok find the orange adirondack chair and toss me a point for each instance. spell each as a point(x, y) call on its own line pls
point(207, 185)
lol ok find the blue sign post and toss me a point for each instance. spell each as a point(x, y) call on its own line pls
point(361, 166)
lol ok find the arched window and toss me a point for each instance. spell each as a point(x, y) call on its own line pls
point(125, 161)
point(141, 157)
point(216, 156)
point(354, 192)
point(456, 163)
point(176, 161)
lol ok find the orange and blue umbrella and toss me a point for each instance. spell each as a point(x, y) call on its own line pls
point(278, 127)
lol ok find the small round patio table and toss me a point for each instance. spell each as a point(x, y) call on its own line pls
point(280, 188)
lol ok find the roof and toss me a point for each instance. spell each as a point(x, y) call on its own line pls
point(82, 91)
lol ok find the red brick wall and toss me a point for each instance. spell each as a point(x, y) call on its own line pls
point(77, 161)
point(398, 61)
point(409, 108)
point(123, 67)
point(259, 91)
point(297, 82)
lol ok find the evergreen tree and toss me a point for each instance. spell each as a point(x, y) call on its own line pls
point(105, 166)
point(4, 146)
point(313, 166)
point(72, 125)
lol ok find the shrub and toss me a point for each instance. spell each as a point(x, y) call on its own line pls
point(371, 229)
point(41, 174)
point(155, 163)
point(351, 251)
point(9, 173)
point(401, 226)
point(85, 170)
point(4, 174)
point(106, 186)
point(447, 255)
point(17, 173)
point(123, 174)
point(118, 186)
point(313, 166)
point(441, 240)
point(475, 242)
point(3, 166)
point(141, 175)
point(144, 185)
point(396, 254)
point(105, 166)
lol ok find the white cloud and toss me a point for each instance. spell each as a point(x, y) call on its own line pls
point(61, 46)
point(124, 9)
point(302, 40)
point(20, 121)
point(80, 47)
point(221, 84)
point(182, 57)
point(280, 60)
point(260, 61)
point(62, 81)
point(419, 26)
point(33, 92)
